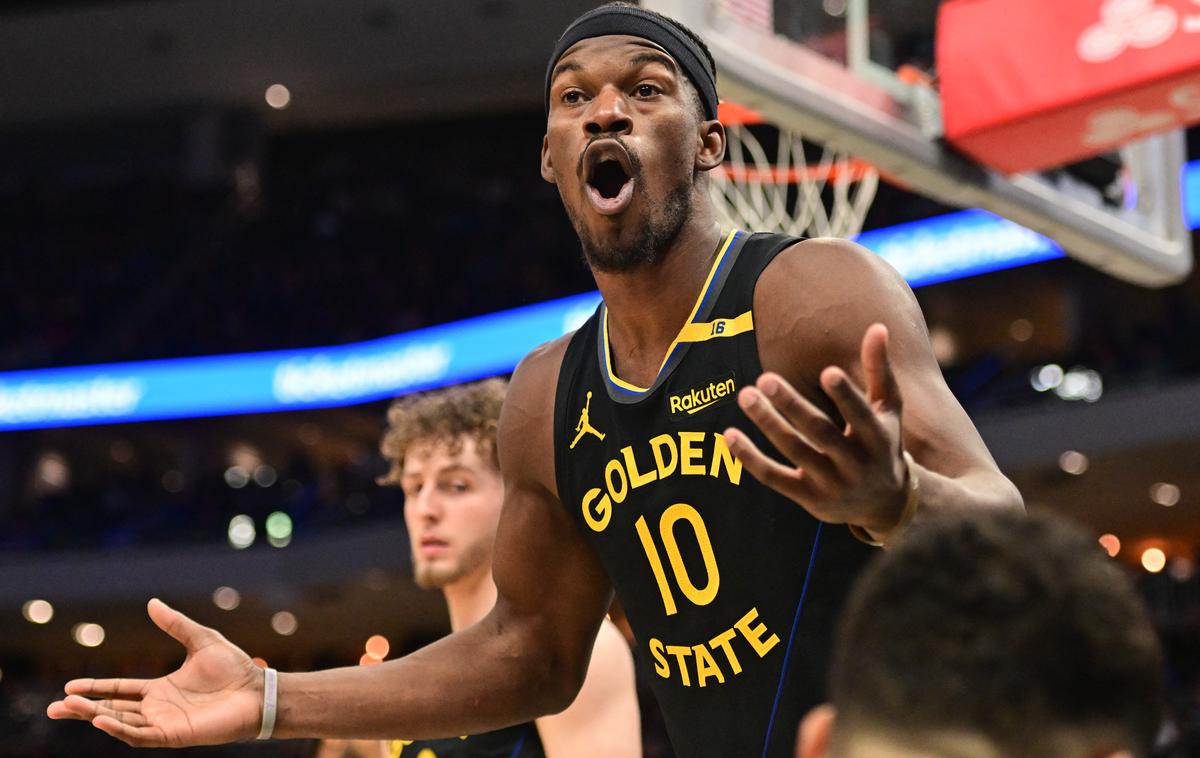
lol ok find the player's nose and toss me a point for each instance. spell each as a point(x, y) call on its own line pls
point(609, 114)
point(424, 504)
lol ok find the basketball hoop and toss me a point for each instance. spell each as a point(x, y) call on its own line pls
point(780, 190)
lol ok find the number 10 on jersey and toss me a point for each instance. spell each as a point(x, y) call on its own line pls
point(666, 529)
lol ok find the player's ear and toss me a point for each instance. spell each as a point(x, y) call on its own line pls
point(712, 145)
point(547, 166)
point(815, 733)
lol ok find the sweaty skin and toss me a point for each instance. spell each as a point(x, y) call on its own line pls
point(815, 308)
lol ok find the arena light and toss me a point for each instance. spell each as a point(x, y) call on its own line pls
point(836, 8)
point(236, 477)
point(88, 635)
point(265, 476)
point(925, 252)
point(37, 611)
point(378, 646)
point(1073, 462)
point(279, 529)
point(1153, 560)
point(1165, 494)
point(1111, 544)
point(226, 598)
point(241, 531)
point(284, 623)
point(278, 96)
point(1048, 377)
point(1080, 384)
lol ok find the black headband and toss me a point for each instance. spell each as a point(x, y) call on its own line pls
point(635, 22)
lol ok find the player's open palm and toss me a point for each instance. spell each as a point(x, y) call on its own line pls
point(841, 474)
point(214, 697)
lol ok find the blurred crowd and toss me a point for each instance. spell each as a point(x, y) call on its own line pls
point(185, 481)
point(320, 240)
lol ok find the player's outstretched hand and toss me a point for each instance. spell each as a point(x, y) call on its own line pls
point(214, 697)
point(854, 474)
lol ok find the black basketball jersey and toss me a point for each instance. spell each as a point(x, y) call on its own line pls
point(520, 741)
point(731, 589)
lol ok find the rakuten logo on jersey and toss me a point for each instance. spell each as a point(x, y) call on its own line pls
point(1132, 23)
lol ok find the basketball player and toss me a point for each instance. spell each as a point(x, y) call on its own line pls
point(992, 637)
point(442, 451)
point(753, 391)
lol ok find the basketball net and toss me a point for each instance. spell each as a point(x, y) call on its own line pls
point(781, 190)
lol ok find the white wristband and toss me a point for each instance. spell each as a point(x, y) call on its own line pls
point(270, 700)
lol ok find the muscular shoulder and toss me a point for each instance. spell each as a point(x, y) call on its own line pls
point(815, 300)
point(526, 430)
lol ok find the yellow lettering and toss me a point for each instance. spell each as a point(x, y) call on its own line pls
point(617, 493)
point(675, 404)
point(706, 667)
point(754, 635)
point(722, 641)
point(721, 454)
point(660, 662)
point(396, 747)
point(636, 479)
point(685, 512)
point(603, 508)
point(657, 445)
point(689, 452)
point(656, 566)
point(700, 662)
point(680, 652)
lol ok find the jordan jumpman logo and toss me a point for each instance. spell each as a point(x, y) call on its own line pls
point(584, 426)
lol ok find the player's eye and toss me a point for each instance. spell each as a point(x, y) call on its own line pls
point(572, 96)
point(646, 90)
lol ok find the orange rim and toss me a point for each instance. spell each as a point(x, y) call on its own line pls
point(856, 170)
point(729, 112)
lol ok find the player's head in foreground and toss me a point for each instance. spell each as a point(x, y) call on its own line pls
point(991, 636)
point(631, 129)
point(442, 450)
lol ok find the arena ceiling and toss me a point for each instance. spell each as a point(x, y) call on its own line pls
point(350, 60)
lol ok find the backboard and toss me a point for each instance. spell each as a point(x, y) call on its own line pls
point(856, 75)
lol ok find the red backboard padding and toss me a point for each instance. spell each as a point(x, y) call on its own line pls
point(1031, 84)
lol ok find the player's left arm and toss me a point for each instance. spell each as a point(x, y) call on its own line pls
point(604, 721)
point(850, 383)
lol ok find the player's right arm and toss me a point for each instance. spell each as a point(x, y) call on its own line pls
point(525, 659)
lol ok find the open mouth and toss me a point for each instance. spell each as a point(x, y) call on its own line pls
point(608, 177)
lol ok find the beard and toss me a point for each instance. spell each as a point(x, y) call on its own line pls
point(434, 575)
point(617, 256)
